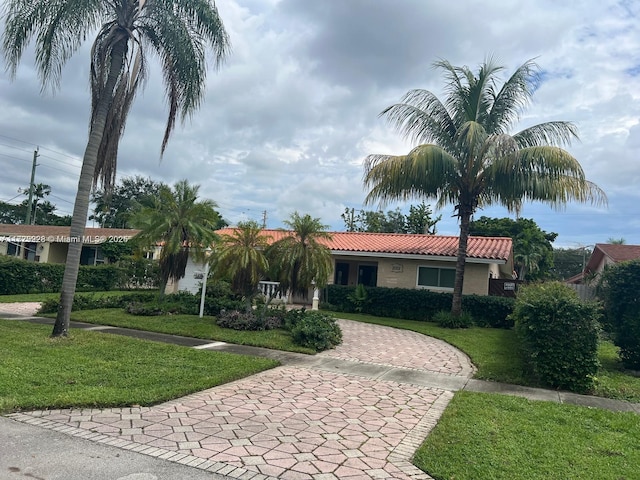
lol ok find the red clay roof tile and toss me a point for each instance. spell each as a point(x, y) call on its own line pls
point(490, 248)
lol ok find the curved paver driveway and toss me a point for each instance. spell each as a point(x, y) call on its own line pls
point(292, 422)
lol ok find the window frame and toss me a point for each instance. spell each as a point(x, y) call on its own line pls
point(438, 287)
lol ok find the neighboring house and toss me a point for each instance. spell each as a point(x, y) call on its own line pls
point(49, 244)
point(604, 255)
point(402, 261)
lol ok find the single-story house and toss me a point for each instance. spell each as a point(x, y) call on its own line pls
point(401, 260)
point(49, 244)
point(604, 255)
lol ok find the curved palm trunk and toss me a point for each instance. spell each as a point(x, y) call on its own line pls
point(81, 205)
point(456, 304)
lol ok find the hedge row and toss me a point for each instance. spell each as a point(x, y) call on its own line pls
point(420, 305)
point(19, 276)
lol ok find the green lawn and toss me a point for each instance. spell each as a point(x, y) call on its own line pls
point(495, 353)
point(191, 326)
point(97, 370)
point(495, 437)
point(41, 297)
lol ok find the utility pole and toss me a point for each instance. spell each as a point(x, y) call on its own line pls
point(264, 219)
point(33, 175)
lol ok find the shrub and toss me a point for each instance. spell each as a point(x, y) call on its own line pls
point(238, 320)
point(359, 298)
point(420, 304)
point(619, 288)
point(446, 320)
point(316, 330)
point(559, 335)
point(93, 302)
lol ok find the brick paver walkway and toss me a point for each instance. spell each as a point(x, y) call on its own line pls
point(291, 422)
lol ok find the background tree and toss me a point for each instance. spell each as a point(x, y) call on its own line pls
point(532, 249)
point(298, 260)
point(420, 219)
point(467, 157)
point(179, 222)
point(240, 257)
point(616, 241)
point(394, 221)
point(42, 210)
point(177, 31)
point(113, 208)
point(568, 262)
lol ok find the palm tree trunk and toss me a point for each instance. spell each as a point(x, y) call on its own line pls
point(465, 218)
point(81, 205)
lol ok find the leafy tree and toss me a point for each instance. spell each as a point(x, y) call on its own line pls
point(181, 224)
point(467, 157)
point(533, 252)
point(113, 208)
point(42, 211)
point(394, 221)
point(568, 262)
point(241, 258)
point(298, 260)
point(419, 219)
point(177, 31)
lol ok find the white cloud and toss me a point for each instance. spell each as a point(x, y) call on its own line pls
point(293, 112)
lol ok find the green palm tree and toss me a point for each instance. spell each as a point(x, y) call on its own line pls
point(181, 224)
point(299, 260)
point(467, 157)
point(241, 258)
point(177, 31)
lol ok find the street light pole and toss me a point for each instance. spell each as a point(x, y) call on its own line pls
point(204, 282)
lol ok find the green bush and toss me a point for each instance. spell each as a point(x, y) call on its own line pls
point(619, 288)
point(94, 302)
point(316, 330)
point(19, 276)
point(446, 320)
point(559, 335)
point(238, 320)
point(420, 304)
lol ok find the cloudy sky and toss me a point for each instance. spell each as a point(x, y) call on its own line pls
point(293, 112)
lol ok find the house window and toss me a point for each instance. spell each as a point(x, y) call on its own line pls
point(436, 277)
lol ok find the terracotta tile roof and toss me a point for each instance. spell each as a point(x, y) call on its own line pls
point(45, 231)
point(490, 248)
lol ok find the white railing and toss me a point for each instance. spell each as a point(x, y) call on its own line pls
point(271, 291)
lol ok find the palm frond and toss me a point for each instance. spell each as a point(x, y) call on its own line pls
point(549, 133)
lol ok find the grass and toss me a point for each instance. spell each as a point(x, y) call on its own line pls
point(191, 326)
point(91, 369)
point(41, 297)
point(487, 436)
point(495, 353)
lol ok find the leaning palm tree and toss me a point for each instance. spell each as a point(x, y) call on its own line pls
point(300, 260)
point(181, 224)
point(240, 257)
point(467, 157)
point(127, 31)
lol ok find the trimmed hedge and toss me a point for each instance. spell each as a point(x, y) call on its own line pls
point(419, 304)
point(19, 276)
point(620, 289)
point(559, 335)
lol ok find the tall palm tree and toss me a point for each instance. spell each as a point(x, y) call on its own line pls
point(181, 224)
point(241, 257)
point(467, 157)
point(299, 260)
point(177, 31)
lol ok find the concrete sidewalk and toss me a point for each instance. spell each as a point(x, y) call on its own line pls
point(356, 412)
